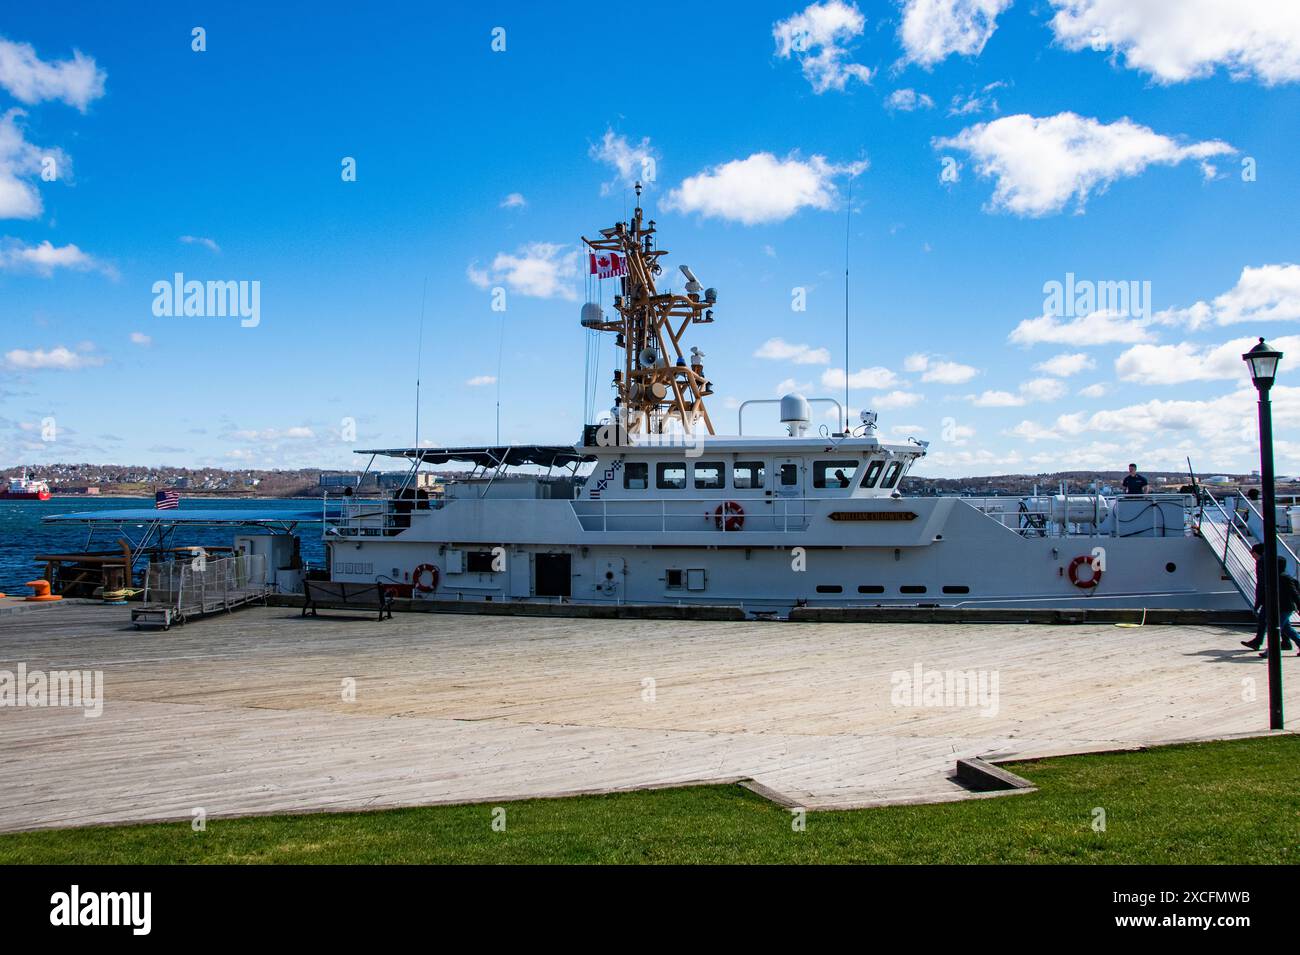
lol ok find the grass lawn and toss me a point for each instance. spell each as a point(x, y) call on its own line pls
point(1235, 801)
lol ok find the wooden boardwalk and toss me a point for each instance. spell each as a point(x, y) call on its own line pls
point(246, 713)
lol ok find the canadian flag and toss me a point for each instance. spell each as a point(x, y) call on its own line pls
point(607, 265)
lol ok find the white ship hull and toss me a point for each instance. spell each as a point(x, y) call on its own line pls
point(949, 554)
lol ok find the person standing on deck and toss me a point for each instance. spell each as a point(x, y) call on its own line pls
point(1134, 483)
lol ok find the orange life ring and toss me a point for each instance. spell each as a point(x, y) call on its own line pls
point(417, 578)
point(1092, 581)
point(729, 515)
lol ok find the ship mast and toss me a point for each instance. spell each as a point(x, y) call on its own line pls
point(657, 384)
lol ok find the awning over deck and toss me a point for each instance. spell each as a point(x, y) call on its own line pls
point(198, 516)
point(542, 455)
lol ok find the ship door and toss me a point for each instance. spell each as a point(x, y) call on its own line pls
point(788, 482)
point(553, 575)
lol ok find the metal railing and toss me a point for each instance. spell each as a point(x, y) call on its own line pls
point(1032, 516)
point(712, 514)
point(203, 585)
point(1226, 533)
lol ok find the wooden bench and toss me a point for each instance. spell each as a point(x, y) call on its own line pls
point(339, 595)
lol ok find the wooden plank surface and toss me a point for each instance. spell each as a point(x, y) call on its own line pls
point(244, 713)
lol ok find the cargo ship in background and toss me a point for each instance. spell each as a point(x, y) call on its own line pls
point(23, 488)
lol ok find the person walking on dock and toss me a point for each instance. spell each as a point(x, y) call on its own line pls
point(1288, 601)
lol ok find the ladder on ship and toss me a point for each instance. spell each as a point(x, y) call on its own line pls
point(1231, 535)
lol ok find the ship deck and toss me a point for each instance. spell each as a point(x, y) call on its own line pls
point(244, 713)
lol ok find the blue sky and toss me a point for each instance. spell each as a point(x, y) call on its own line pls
point(1165, 156)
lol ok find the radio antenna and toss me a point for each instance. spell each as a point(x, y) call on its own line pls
point(419, 357)
point(848, 217)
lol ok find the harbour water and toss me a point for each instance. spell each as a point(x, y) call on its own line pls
point(23, 536)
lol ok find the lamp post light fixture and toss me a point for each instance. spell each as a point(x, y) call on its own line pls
point(1263, 369)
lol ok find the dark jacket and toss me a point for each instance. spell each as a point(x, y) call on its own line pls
point(1288, 595)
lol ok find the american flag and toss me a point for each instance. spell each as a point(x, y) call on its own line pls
point(166, 500)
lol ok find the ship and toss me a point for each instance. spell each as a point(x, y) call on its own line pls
point(23, 488)
point(653, 506)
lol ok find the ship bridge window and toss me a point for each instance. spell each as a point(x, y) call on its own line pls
point(636, 476)
point(891, 476)
point(748, 474)
point(834, 473)
point(708, 475)
point(873, 473)
point(670, 477)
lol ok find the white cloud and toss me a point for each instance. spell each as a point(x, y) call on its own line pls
point(1041, 163)
point(515, 200)
point(140, 338)
point(874, 377)
point(31, 80)
point(761, 188)
point(59, 358)
point(896, 399)
point(907, 100)
point(1066, 364)
point(270, 435)
point(539, 269)
point(209, 244)
point(996, 399)
point(21, 161)
point(1099, 328)
point(1032, 431)
point(1043, 389)
point(633, 163)
point(1215, 418)
point(1175, 364)
point(778, 349)
point(949, 373)
point(479, 381)
point(1188, 39)
point(791, 387)
point(939, 371)
point(818, 38)
point(1097, 390)
point(981, 101)
point(1036, 389)
point(1265, 293)
point(932, 30)
point(43, 259)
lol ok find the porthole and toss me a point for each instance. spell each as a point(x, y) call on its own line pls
point(956, 589)
point(830, 589)
point(870, 589)
point(1170, 567)
point(912, 589)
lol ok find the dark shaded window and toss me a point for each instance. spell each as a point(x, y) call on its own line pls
point(830, 589)
point(834, 473)
point(671, 476)
point(479, 562)
point(708, 475)
point(636, 476)
point(955, 589)
point(870, 589)
point(912, 589)
point(873, 473)
point(673, 578)
point(789, 475)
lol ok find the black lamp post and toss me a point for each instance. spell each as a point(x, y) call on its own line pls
point(1263, 369)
